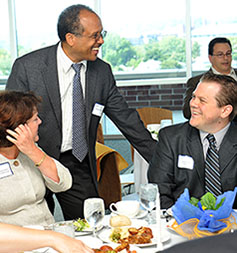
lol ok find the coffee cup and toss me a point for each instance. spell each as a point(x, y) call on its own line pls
point(129, 208)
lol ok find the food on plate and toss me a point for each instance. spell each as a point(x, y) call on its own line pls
point(119, 221)
point(122, 248)
point(131, 235)
point(80, 224)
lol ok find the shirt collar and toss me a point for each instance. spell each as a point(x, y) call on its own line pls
point(66, 61)
point(218, 135)
point(232, 72)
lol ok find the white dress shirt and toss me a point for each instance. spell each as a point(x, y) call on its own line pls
point(218, 137)
point(65, 76)
point(232, 73)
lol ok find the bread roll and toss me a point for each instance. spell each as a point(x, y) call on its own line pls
point(119, 221)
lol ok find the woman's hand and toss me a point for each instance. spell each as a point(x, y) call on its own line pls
point(22, 137)
point(65, 244)
point(24, 140)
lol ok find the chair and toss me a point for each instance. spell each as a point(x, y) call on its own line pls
point(109, 164)
point(152, 115)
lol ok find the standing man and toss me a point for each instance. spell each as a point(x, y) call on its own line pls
point(201, 154)
point(220, 57)
point(63, 73)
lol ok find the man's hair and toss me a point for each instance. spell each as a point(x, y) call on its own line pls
point(215, 41)
point(69, 21)
point(228, 92)
point(16, 108)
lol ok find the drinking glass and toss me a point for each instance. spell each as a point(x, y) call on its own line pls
point(147, 195)
point(94, 211)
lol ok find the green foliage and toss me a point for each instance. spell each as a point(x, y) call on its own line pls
point(118, 51)
point(194, 201)
point(208, 202)
point(170, 51)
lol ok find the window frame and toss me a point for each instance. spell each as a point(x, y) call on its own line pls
point(126, 79)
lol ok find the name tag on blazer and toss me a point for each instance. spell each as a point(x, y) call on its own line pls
point(98, 109)
point(5, 170)
point(185, 162)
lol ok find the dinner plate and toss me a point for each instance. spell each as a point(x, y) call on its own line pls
point(95, 243)
point(141, 214)
point(42, 250)
point(88, 231)
point(105, 234)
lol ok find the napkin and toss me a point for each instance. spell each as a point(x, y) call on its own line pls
point(199, 219)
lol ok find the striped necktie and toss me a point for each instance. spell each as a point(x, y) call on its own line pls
point(212, 168)
point(79, 142)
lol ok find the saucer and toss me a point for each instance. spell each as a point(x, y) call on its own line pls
point(141, 214)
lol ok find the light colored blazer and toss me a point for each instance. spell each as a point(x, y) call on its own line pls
point(22, 193)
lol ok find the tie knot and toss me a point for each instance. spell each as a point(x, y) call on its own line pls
point(211, 139)
point(77, 67)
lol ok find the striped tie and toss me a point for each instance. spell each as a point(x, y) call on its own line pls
point(212, 169)
point(79, 142)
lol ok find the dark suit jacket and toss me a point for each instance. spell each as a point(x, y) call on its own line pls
point(225, 243)
point(184, 140)
point(191, 86)
point(37, 72)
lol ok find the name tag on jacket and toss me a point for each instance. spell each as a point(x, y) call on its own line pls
point(185, 162)
point(98, 109)
point(5, 170)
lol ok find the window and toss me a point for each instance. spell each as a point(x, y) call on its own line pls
point(5, 55)
point(145, 37)
point(36, 22)
point(148, 40)
point(212, 21)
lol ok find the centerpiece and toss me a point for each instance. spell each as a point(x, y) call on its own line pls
point(196, 218)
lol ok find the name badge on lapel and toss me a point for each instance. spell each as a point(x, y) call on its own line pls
point(98, 109)
point(5, 170)
point(186, 162)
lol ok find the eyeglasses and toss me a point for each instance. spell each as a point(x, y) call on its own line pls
point(222, 55)
point(95, 36)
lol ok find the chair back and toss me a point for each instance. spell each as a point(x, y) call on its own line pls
point(152, 115)
point(109, 163)
point(100, 135)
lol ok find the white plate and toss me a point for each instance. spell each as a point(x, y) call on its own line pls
point(96, 244)
point(42, 250)
point(141, 214)
point(88, 231)
point(104, 236)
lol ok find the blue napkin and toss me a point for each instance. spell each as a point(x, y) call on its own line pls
point(208, 219)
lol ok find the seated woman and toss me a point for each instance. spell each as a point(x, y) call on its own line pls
point(25, 170)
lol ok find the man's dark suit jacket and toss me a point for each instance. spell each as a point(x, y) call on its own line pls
point(171, 166)
point(37, 72)
point(191, 86)
point(224, 243)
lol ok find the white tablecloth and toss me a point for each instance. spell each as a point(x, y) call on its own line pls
point(94, 242)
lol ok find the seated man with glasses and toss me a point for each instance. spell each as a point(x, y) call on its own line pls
point(220, 57)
